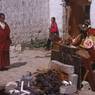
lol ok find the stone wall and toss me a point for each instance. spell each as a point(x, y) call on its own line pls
point(26, 18)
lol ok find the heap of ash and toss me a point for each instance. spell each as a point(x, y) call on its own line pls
point(40, 83)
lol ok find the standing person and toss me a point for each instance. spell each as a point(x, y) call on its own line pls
point(4, 43)
point(53, 32)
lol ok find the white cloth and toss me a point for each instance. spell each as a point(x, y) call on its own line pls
point(2, 25)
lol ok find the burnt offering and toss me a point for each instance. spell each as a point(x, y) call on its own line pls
point(49, 82)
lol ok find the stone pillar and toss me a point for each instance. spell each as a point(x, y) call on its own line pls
point(92, 14)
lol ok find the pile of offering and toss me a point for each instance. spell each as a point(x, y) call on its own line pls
point(45, 82)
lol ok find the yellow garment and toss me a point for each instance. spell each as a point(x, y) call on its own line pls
point(90, 37)
point(93, 38)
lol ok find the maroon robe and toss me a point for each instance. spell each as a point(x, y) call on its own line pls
point(4, 47)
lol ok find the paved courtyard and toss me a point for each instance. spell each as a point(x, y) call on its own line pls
point(29, 60)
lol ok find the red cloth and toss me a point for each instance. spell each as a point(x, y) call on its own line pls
point(4, 47)
point(54, 27)
point(91, 32)
point(4, 59)
point(5, 38)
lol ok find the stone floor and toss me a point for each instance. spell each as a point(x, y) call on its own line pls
point(29, 60)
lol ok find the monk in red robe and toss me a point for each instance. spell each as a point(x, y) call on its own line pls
point(5, 42)
point(53, 32)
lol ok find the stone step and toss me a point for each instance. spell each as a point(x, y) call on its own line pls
point(69, 69)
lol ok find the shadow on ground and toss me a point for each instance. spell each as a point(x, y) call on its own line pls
point(17, 64)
